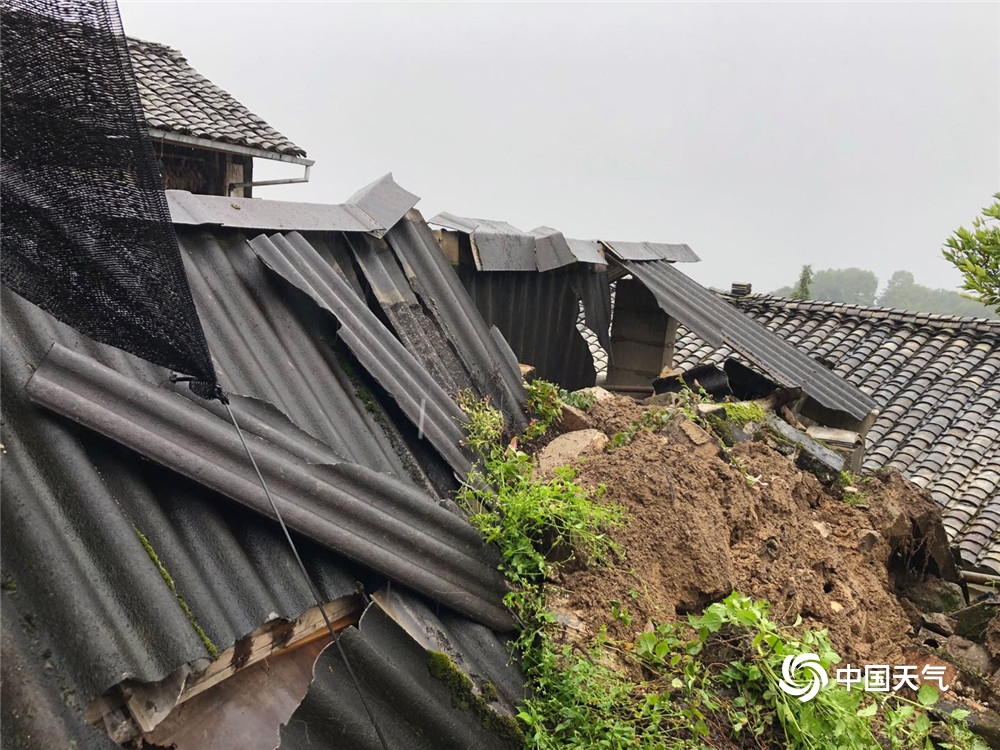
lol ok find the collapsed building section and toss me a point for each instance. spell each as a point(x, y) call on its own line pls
point(125, 555)
point(936, 382)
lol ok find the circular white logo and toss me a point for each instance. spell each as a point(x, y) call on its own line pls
point(816, 677)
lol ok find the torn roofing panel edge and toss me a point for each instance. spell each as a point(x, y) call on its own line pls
point(370, 518)
point(491, 366)
point(412, 692)
point(423, 401)
point(718, 323)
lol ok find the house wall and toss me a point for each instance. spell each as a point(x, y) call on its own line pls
point(201, 171)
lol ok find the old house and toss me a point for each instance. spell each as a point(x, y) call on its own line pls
point(205, 140)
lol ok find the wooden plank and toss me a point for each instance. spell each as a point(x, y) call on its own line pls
point(273, 639)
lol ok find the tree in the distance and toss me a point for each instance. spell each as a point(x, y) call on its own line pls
point(976, 253)
point(801, 291)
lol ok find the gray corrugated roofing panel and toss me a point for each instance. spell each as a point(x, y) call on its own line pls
point(587, 251)
point(79, 586)
point(441, 291)
point(651, 251)
point(385, 201)
point(378, 521)
point(406, 315)
point(551, 249)
point(414, 709)
point(374, 210)
point(476, 650)
point(936, 380)
point(498, 246)
point(448, 220)
point(253, 213)
point(380, 353)
point(537, 312)
point(718, 323)
point(177, 98)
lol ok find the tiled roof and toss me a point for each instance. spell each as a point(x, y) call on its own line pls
point(85, 603)
point(178, 99)
point(936, 380)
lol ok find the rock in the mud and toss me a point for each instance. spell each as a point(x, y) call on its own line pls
point(567, 449)
point(971, 622)
point(968, 655)
point(935, 595)
point(573, 419)
point(869, 540)
point(599, 394)
point(939, 623)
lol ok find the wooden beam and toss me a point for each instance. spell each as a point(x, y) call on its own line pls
point(274, 639)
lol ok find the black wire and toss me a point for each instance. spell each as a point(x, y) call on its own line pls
point(312, 587)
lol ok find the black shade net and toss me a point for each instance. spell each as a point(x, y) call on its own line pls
point(86, 229)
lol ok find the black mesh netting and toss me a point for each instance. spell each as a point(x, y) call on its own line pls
point(86, 229)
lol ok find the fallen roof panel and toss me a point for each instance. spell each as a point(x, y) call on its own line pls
point(368, 517)
point(413, 707)
point(718, 323)
point(419, 396)
point(487, 357)
point(652, 251)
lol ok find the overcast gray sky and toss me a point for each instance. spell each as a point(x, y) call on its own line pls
point(763, 135)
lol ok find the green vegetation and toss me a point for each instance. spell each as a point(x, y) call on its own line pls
point(168, 579)
point(544, 404)
point(976, 253)
point(652, 420)
point(708, 681)
point(849, 488)
point(744, 413)
point(802, 291)
point(578, 399)
point(465, 697)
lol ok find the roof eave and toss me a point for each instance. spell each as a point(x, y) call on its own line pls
point(180, 139)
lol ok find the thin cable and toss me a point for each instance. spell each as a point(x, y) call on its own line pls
point(305, 574)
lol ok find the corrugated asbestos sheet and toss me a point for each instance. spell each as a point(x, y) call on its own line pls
point(719, 323)
point(652, 251)
point(381, 522)
point(85, 598)
point(499, 246)
point(488, 359)
point(416, 708)
point(374, 209)
point(536, 312)
point(293, 258)
point(936, 380)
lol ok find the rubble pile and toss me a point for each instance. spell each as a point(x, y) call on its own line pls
point(865, 558)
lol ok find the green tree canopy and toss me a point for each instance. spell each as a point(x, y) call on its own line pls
point(976, 253)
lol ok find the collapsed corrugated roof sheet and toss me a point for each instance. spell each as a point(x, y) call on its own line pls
point(936, 381)
point(98, 544)
point(718, 323)
point(177, 98)
point(406, 672)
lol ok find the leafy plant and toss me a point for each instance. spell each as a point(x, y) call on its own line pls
point(976, 253)
point(580, 399)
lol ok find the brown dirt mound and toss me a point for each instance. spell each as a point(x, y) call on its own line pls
point(701, 527)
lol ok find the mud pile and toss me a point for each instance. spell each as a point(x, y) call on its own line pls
point(704, 522)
